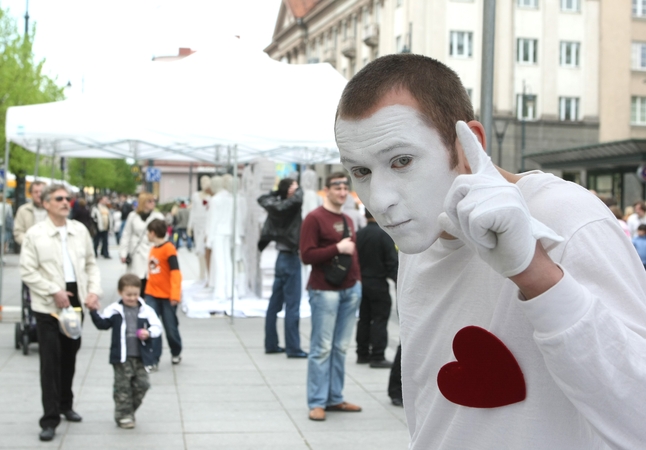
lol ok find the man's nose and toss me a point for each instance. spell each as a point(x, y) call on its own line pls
point(382, 197)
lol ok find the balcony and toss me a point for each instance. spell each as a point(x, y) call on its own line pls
point(329, 56)
point(371, 35)
point(349, 47)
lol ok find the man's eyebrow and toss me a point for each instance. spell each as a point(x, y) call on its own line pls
point(379, 153)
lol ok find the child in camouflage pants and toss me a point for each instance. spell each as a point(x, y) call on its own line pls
point(131, 350)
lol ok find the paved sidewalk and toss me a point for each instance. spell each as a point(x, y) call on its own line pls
point(226, 393)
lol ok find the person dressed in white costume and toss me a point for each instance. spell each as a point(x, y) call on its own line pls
point(197, 222)
point(216, 187)
point(519, 328)
point(311, 200)
point(219, 239)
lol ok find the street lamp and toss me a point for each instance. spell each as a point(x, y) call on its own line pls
point(527, 110)
point(500, 135)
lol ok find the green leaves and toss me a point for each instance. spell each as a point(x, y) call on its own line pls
point(113, 174)
point(21, 83)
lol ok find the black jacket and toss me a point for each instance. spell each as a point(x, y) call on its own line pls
point(377, 253)
point(283, 223)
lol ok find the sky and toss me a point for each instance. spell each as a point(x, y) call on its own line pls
point(83, 41)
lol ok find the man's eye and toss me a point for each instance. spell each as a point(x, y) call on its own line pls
point(402, 162)
point(360, 172)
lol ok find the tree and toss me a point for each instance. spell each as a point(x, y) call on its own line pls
point(112, 174)
point(22, 82)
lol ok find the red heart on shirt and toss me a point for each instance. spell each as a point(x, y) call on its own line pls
point(485, 375)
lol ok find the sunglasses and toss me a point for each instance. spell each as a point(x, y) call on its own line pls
point(60, 198)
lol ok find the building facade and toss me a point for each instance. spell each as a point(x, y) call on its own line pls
point(547, 58)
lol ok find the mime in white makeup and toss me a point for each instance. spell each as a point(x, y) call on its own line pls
point(401, 171)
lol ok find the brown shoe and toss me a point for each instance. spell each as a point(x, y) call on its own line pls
point(317, 414)
point(344, 407)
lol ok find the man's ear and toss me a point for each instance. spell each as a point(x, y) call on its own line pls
point(477, 129)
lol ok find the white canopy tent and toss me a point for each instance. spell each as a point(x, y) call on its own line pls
point(190, 110)
point(184, 110)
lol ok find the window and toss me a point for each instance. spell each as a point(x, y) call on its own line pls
point(526, 106)
point(569, 109)
point(528, 3)
point(638, 111)
point(399, 3)
point(569, 54)
point(461, 44)
point(399, 44)
point(570, 5)
point(470, 93)
point(527, 50)
point(639, 55)
point(639, 8)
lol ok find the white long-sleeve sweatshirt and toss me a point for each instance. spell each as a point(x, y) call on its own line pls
point(581, 345)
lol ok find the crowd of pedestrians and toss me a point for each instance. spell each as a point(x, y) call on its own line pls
point(363, 261)
point(59, 239)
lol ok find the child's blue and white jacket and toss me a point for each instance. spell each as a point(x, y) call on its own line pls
point(113, 317)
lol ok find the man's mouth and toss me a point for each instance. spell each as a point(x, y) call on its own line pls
point(397, 225)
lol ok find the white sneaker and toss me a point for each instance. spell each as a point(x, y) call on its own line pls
point(176, 359)
point(126, 423)
point(151, 369)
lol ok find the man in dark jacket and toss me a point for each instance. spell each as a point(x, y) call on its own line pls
point(283, 225)
point(378, 261)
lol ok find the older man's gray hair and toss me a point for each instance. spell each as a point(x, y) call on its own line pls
point(49, 190)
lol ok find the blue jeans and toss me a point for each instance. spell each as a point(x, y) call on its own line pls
point(333, 318)
point(168, 316)
point(180, 233)
point(287, 290)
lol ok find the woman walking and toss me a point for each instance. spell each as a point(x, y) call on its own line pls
point(134, 246)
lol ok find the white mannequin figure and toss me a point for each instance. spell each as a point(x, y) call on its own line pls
point(197, 221)
point(215, 187)
point(220, 232)
point(311, 200)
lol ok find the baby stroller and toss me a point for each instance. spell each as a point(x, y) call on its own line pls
point(26, 328)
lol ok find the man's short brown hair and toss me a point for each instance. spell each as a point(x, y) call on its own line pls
point(128, 280)
point(438, 90)
point(335, 176)
point(35, 184)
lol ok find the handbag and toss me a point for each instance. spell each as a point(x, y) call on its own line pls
point(337, 270)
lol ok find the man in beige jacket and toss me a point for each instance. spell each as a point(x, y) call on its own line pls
point(58, 265)
point(29, 214)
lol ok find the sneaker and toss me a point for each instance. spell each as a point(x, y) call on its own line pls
point(126, 423)
point(176, 359)
point(152, 368)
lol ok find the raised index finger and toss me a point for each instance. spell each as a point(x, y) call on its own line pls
point(473, 151)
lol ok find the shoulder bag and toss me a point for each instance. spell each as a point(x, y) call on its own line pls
point(337, 270)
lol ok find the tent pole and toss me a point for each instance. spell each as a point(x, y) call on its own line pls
point(37, 161)
point(53, 165)
point(4, 203)
point(235, 230)
point(190, 180)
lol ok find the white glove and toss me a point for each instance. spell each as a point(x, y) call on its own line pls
point(489, 214)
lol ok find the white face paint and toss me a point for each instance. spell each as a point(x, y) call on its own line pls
point(401, 171)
